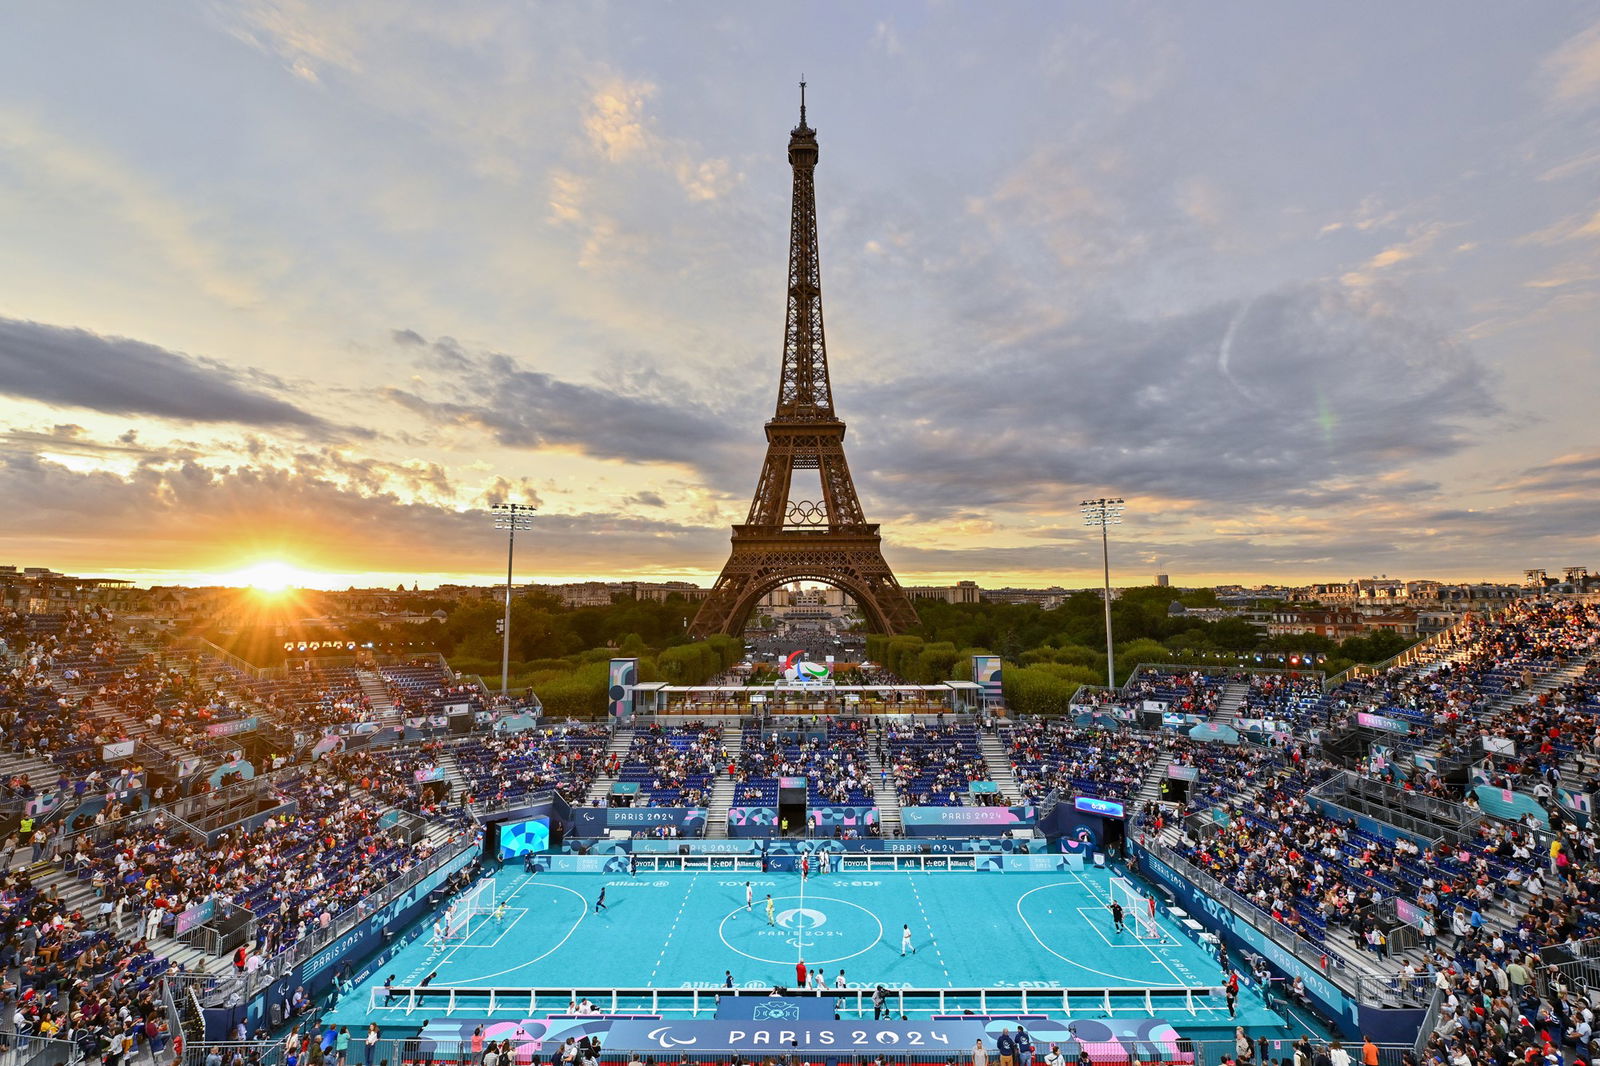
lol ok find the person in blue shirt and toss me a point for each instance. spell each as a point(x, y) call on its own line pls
point(1006, 1044)
point(1024, 1047)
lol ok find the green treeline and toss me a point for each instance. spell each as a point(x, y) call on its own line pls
point(1047, 655)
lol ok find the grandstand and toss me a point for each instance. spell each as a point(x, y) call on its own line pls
point(1371, 849)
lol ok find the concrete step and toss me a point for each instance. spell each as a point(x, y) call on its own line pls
point(726, 788)
point(600, 790)
point(1231, 702)
point(998, 761)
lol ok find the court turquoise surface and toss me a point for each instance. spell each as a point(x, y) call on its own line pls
point(684, 930)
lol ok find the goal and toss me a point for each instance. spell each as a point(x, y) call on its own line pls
point(1136, 909)
point(475, 901)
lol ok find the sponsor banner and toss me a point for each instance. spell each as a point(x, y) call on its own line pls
point(233, 728)
point(189, 764)
point(199, 914)
point(1408, 912)
point(122, 749)
point(594, 821)
point(1183, 773)
point(1153, 706)
point(938, 821)
point(1425, 763)
point(430, 773)
point(1383, 722)
point(782, 1035)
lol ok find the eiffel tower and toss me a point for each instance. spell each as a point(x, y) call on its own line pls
point(784, 540)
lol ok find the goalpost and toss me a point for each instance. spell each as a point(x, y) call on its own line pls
point(1137, 909)
point(457, 917)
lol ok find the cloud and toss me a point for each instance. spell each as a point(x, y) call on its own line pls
point(1573, 70)
point(1421, 240)
point(193, 517)
point(1305, 396)
point(641, 417)
point(614, 120)
point(117, 375)
point(1563, 476)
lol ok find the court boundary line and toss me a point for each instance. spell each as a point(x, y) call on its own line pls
point(582, 914)
point(1134, 982)
point(1158, 959)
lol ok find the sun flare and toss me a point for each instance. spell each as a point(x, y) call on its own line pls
point(272, 575)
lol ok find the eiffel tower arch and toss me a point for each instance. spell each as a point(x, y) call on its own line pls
point(785, 539)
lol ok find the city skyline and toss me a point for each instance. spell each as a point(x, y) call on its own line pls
point(314, 285)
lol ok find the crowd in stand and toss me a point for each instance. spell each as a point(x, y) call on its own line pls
point(1193, 691)
point(503, 767)
point(1483, 908)
point(1056, 756)
point(673, 766)
point(933, 765)
point(831, 756)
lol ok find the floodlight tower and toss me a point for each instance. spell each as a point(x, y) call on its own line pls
point(1105, 513)
point(510, 517)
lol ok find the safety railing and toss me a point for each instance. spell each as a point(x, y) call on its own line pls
point(856, 1000)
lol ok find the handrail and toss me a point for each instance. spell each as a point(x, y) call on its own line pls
point(1430, 1022)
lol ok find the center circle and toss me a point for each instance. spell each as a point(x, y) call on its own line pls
point(820, 929)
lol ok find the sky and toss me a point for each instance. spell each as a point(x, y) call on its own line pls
point(1316, 288)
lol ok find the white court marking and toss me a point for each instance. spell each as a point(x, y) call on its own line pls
point(1095, 895)
point(583, 912)
point(734, 914)
point(1137, 981)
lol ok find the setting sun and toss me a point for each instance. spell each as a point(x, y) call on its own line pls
point(271, 575)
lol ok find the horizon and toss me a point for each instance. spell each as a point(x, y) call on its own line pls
point(311, 287)
point(334, 582)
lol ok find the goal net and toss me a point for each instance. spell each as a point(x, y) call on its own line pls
point(1137, 909)
point(476, 901)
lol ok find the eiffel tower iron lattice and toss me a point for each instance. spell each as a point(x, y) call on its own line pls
point(784, 540)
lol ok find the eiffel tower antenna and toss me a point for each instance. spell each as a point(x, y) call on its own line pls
point(782, 539)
